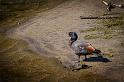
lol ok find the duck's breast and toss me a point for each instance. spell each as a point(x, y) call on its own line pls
point(77, 45)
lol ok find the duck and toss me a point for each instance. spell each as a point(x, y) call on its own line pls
point(82, 48)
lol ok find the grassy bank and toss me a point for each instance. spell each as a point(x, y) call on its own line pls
point(112, 28)
point(16, 12)
point(19, 64)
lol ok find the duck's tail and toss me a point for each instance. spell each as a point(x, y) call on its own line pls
point(97, 52)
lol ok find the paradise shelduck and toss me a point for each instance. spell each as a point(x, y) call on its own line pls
point(81, 47)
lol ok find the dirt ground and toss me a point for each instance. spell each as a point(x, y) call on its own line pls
point(47, 34)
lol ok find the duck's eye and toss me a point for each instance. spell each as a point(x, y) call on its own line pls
point(70, 33)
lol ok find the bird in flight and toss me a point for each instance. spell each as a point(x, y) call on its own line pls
point(111, 6)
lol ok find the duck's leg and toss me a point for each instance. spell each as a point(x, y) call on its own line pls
point(81, 61)
point(85, 57)
point(78, 58)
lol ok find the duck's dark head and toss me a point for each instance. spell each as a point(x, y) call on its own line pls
point(73, 36)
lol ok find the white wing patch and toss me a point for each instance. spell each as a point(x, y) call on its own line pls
point(105, 3)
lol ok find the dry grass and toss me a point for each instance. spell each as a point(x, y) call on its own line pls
point(112, 28)
point(17, 14)
point(19, 64)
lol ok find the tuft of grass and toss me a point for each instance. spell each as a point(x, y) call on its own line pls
point(108, 37)
point(90, 30)
point(91, 36)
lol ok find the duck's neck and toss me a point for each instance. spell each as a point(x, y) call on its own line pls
point(71, 42)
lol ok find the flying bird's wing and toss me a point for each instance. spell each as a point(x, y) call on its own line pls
point(117, 5)
point(105, 3)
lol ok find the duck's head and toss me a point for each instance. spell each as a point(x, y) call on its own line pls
point(73, 36)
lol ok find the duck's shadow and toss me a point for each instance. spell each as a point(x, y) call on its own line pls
point(97, 59)
point(91, 59)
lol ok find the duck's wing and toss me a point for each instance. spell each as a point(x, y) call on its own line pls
point(78, 46)
point(105, 3)
point(88, 47)
point(83, 45)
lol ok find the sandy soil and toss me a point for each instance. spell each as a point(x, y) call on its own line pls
point(47, 33)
